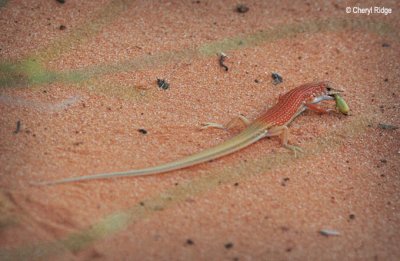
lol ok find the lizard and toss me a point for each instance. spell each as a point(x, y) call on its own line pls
point(273, 122)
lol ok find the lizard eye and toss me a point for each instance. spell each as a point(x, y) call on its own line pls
point(329, 90)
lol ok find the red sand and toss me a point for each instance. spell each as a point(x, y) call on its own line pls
point(258, 204)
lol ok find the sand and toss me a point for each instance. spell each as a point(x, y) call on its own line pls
point(87, 101)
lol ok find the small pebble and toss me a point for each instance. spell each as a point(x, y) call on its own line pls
point(329, 232)
point(277, 78)
point(162, 84)
point(228, 245)
point(18, 127)
point(241, 8)
point(387, 126)
point(143, 131)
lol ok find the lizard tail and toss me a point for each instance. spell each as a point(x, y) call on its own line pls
point(250, 135)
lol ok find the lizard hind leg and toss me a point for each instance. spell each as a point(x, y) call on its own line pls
point(283, 132)
point(229, 125)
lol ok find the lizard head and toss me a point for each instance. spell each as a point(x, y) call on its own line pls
point(329, 90)
point(322, 91)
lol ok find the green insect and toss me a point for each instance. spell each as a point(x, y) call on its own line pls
point(341, 104)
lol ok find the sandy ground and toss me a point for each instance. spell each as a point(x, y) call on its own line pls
point(78, 85)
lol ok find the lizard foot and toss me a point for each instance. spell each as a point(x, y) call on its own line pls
point(294, 148)
point(207, 125)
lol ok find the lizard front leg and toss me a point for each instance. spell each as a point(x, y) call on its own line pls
point(316, 108)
